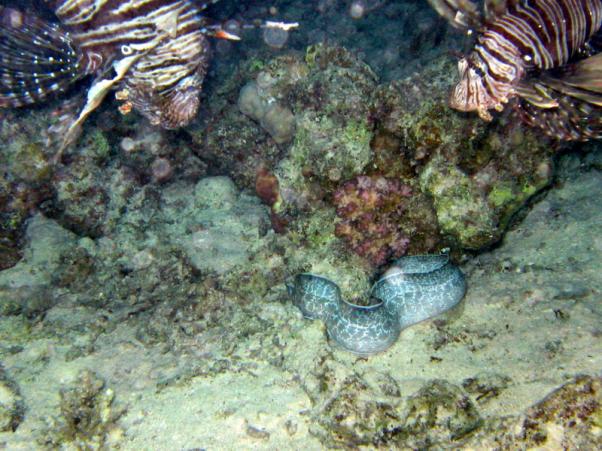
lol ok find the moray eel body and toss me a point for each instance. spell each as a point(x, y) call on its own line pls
point(414, 289)
point(317, 297)
point(363, 330)
point(420, 287)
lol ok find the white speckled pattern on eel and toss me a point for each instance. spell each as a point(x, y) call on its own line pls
point(420, 287)
point(414, 289)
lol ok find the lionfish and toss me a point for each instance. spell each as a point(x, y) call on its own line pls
point(542, 52)
point(154, 53)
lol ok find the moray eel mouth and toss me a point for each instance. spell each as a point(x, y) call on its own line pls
point(414, 289)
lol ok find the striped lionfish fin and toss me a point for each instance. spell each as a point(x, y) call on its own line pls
point(584, 76)
point(568, 106)
point(37, 59)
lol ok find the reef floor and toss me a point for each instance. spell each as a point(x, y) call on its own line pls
point(83, 376)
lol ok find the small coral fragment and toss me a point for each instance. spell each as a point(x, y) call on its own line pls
point(88, 416)
point(277, 119)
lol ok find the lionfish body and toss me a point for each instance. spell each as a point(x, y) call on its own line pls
point(164, 83)
point(154, 51)
point(523, 49)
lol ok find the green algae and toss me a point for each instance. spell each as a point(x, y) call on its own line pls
point(30, 163)
point(461, 211)
point(328, 149)
point(98, 145)
point(255, 65)
point(315, 231)
point(501, 195)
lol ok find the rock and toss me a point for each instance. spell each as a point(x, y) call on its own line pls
point(225, 226)
point(11, 404)
point(568, 418)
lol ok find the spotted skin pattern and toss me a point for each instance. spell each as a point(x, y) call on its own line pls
point(421, 287)
point(414, 289)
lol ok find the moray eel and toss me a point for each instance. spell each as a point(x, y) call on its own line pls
point(414, 289)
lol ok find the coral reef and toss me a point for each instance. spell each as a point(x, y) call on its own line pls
point(467, 180)
point(364, 413)
point(222, 237)
point(164, 333)
point(24, 180)
point(328, 122)
point(476, 176)
point(88, 190)
point(371, 210)
point(233, 143)
point(334, 129)
point(151, 258)
point(267, 188)
point(216, 230)
point(326, 91)
point(90, 194)
point(48, 243)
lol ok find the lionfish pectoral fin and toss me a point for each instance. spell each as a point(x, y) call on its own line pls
point(586, 74)
point(572, 106)
point(582, 81)
point(37, 59)
point(536, 94)
point(96, 95)
point(101, 87)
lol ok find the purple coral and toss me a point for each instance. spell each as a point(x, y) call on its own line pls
point(371, 209)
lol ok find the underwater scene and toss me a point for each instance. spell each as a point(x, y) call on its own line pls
point(300, 225)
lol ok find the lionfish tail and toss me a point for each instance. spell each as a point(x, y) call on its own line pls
point(569, 106)
point(37, 59)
